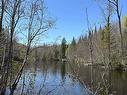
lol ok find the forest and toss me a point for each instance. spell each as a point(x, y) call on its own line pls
point(102, 47)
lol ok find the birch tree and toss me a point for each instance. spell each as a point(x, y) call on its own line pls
point(37, 24)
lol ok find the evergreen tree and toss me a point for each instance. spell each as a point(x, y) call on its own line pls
point(63, 48)
point(73, 43)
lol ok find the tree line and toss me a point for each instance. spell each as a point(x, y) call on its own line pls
point(102, 44)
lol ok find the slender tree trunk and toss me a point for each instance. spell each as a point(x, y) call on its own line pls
point(121, 35)
point(11, 48)
point(109, 48)
point(1, 17)
point(15, 83)
point(2, 85)
point(120, 30)
point(91, 47)
point(8, 70)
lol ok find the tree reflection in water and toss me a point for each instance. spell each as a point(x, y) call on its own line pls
point(59, 78)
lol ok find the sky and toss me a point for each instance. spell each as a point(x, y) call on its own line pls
point(70, 16)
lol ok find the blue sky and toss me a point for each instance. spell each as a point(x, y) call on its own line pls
point(70, 17)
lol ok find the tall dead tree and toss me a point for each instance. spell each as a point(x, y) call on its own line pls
point(107, 13)
point(90, 32)
point(108, 30)
point(90, 39)
point(115, 3)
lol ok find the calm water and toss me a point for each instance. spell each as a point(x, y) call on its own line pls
point(70, 79)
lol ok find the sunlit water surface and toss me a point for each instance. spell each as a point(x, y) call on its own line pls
point(57, 78)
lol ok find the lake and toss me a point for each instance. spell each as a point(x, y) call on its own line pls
point(61, 78)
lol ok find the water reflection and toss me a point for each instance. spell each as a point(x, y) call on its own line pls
point(63, 71)
point(70, 79)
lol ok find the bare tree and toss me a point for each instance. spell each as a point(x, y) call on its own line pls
point(106, 35)
point(36, 26)
point(3, 4)
point(108, 28)
point(107, 16)
point(13, 13)
point(115, 3)
point(90, 31)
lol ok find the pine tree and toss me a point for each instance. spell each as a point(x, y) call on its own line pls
point(73, 43)
point(63, 48)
